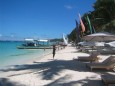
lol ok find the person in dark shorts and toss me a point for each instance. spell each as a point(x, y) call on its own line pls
point(54, 50)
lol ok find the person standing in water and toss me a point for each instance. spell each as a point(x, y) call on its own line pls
point(54, 50)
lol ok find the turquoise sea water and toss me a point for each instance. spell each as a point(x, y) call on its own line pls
point(10, 55)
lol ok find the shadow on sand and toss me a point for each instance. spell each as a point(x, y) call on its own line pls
point(51, 68)
point(7, 82)
point(84, 82)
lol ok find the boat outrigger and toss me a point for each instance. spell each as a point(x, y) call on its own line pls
point(35, 44)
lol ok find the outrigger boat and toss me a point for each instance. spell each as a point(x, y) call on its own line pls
point(35, 44)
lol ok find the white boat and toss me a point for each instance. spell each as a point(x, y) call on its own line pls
point(35, 44)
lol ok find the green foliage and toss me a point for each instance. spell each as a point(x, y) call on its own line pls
point(109, 27)
point(103, 14)
point(56, 40)
point(72, 35)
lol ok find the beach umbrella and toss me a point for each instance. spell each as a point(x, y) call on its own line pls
point(101, 36)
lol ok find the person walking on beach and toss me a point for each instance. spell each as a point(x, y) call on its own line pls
point(54, 50)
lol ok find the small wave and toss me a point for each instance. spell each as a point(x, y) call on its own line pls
point(18, 54)
point(23, 53)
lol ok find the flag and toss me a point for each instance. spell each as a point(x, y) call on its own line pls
point(77, 31)
point(82, 25)
point(89, 23)
point(92, 29)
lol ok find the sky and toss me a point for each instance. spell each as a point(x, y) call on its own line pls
point(40, 18)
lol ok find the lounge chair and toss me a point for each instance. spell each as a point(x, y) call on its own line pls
point(108, 79)
point(104, 62)
point(108, 64)
point(92, 58)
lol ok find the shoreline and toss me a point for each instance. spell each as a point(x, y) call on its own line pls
point(25, 59)
point(39, 58)
point(30, 60)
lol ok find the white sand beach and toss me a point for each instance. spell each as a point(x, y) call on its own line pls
point(63, 70)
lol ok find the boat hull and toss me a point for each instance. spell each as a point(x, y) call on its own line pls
point(33, 47)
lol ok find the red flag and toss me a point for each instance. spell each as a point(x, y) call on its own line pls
point(82, 25)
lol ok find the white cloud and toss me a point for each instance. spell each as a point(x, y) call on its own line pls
point(0, 35)
point(12, 35)
point(68, 7)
